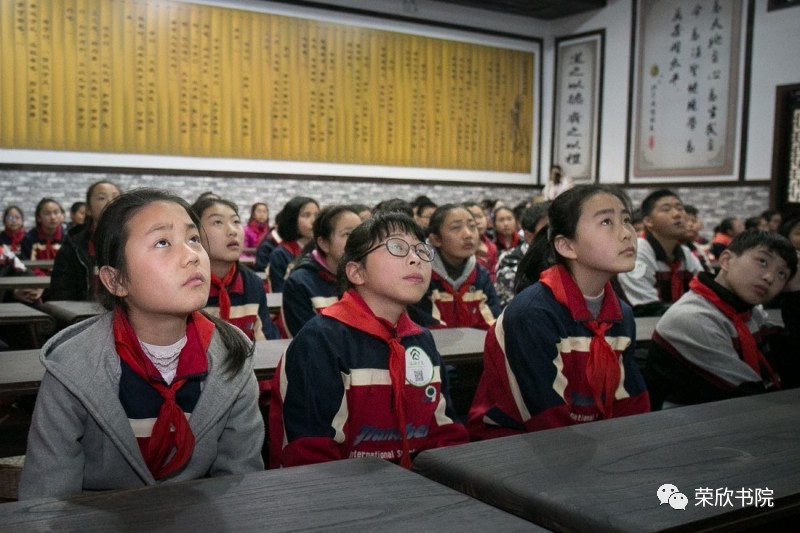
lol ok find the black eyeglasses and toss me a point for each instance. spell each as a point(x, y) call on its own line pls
point(400, 248)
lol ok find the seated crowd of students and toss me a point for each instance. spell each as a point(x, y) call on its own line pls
point(164, 389)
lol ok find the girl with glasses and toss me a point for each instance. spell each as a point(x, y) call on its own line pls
point(562, 351)
point(361, 378)
point(461, 293)
point(13, 229)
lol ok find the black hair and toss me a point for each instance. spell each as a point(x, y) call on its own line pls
point(8, 210)
point(564, 214)
point(394, 205)
point(200, 205)
point(420, 200)
point(691, 210)
point(370, 232)
point(649, 203)
point(425, 204)
point(286, 220)
point(112, 235)
point(41, 205)
point(774, 242)
point(533, 215)
point(325, 223)
point(75, 207)
point(753, 222)
point(786, 227)
point(769, 213)
point(726, 225)
point(253, 210)
point(438, 217)
point(207, 194)
point(89, 220)
point(358, 208)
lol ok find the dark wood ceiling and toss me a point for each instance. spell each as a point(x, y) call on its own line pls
point(540, 9)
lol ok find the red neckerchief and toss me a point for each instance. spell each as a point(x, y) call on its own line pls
point(222, 288)
point(675, 280)
point(16, 238)
point(602, 366)
point(722, 238)
point(48, 240)
point(260, 228)
point(501, 243)
point(353, 311)
point(461, 308)
point(293, 247)
point(171, 429)
point(751, 355)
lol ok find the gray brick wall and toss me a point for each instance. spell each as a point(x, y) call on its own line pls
point(25, 188)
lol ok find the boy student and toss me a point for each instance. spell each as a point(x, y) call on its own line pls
point(710, 345)
point(664, 266)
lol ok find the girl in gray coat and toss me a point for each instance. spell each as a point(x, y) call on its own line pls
point(153, 390)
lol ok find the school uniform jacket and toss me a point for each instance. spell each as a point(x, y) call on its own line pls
point(648, 286)
point(81, 439)
point(467, 302)
point(696, 356)
point(279, 260)
point(309, 289)
point(534, 366)
point(34, 247)
point(249, 310)
point(332, 398)
point(73, 269)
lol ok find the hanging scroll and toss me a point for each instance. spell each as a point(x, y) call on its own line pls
point(165, 77)
point(576, 114)
point(686, 120)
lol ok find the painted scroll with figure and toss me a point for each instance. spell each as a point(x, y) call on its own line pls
point(168, 77)
point(685, 119)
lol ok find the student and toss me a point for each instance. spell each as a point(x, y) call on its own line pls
point(154, 390)
point(562, 351)
point(461, 293)
point(13, 229)
point(311, 287)
point(44, 240)
point(710, 344)
point(506, 235)
point(422, 213)
point(10, 265)
point(364, 211)
point(77, 214)
point(664, 266)
point(486, 253)
point(533, 219)
point(237, 295)
point(758, 223)
point(294, 225)
point(724, 233)
point(257, 226)
point(74, 275)
point(693, 226)
point(362, 379)
point(774, 219)
point(791, 230)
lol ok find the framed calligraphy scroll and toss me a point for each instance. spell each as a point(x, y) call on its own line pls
point(577, 96)
point(686, 120)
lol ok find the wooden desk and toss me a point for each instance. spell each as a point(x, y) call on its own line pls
point(67, 312)
point(24, 282)
point(15, 313)
point(352, 495)
point(39, 263)
point(603, 476)
point(20, 372)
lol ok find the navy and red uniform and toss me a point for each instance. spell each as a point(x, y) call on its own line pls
point(332, 394)
point(535, 362)
point(279, 260)
point(37, 246)
point(249, 311)
point(467, 302)
point(309, 289)
point(13, 239)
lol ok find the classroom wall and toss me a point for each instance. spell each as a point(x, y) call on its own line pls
point(774, 63)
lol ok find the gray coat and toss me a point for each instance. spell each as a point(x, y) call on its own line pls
point(80, 437)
